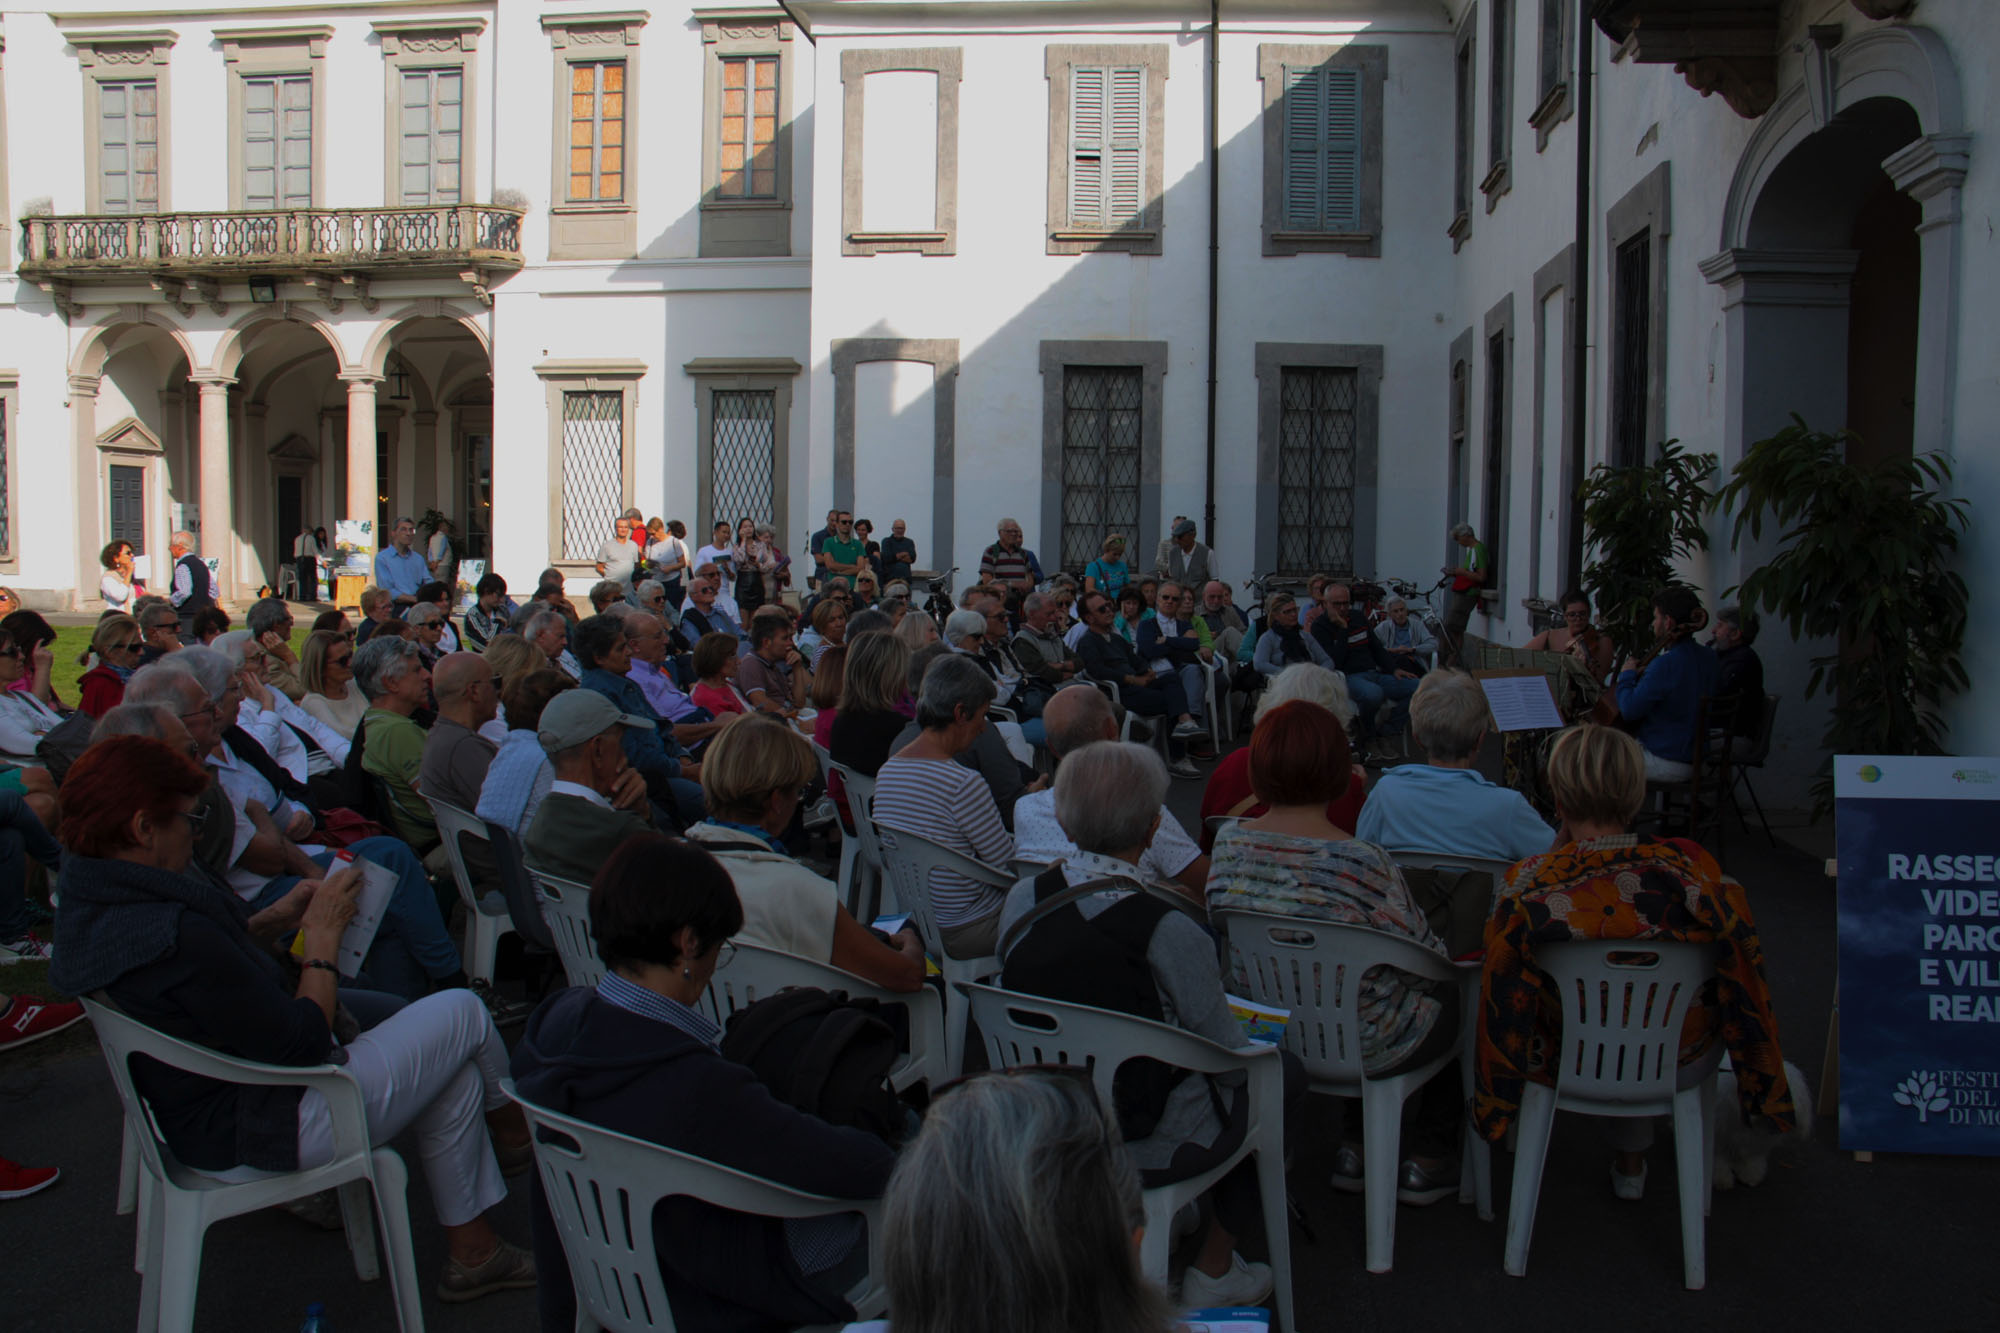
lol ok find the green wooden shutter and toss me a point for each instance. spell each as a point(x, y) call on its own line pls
point(1322, 157)
point(1086, 146)
point(1342, 209)
point(1125, 151)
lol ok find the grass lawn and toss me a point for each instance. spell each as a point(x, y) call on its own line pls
point(73, 639)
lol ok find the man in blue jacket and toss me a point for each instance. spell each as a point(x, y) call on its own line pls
point(1661, 701)
point(673, 778)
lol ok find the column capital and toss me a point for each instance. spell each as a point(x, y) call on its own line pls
point(357, 380)
point(1930, 166)
point(85, 385)
point(213, 386)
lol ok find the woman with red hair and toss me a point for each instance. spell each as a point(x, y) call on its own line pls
point(1293, 861)
point(175, 954)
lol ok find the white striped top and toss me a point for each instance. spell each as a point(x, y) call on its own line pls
point(952, 806)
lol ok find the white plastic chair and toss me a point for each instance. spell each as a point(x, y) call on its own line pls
point(566, 908)
point(1221, 727)
point(1314, 969)
point(908, 860)
point(601, 1187)
point(756, 972)
point(177, 1205)
point(1624, 1003)
point(1028, 1030)
point(868, 893)
point(486, 918)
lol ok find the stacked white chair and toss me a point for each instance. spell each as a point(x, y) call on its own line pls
point(907, 860)
point(1028, 1030)
point(861, 877)
point(486, 918)
point(566, 909)
point(1314, 969)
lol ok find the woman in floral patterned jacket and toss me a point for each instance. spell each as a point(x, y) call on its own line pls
point(1605, 883)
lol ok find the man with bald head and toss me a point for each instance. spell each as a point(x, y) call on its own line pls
point(1074, 719)
point(456, 756)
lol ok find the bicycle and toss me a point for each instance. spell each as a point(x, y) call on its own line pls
point(937, 602)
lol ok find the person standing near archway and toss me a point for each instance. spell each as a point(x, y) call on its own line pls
point(193, 591)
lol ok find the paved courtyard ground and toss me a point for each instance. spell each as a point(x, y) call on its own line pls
point(1826, 1243)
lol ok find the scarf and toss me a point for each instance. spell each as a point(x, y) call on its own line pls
point(118, 916)
point(1292, 643)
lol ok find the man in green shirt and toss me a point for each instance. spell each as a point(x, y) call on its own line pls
point(393, 678)
point(843, 552)
point(1468, 579)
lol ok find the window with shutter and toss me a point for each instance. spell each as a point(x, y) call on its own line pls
point(749, 124)
point(277, 142)
point(1322, 154)
point(1107, 146)
point(1322, 131)
point(433, 109)
point(597, 130)
point(128, 147)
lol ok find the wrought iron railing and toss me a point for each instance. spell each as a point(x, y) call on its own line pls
point(343, 238)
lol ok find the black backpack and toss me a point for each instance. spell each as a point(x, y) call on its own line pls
point(822, 1053)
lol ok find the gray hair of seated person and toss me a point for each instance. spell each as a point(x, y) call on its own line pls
point(1014, 1209)
point(962, 625)
point(379, 663)
point(868, 622)
point(1313, 683)
point(1108, 794)
point(209, 669)
point(1460, 531)
point(952, 685)
point(532, 627)
point(134, 720)
point(232, 646)
point(1448, 713)
point(165, 684)
point(423, 613)
point(267, 615)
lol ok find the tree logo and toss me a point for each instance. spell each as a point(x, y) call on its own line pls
point(1922, 1092)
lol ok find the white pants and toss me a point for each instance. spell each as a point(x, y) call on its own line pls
point(437, 1063)
point(1666, 770)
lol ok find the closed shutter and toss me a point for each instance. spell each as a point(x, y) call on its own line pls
point(128, 506)
point(1107, 146)
point(433, 132)
point(128, 147)
point(277, 142)
point(1322, 149)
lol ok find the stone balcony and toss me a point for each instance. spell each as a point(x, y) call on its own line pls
point(187, 255)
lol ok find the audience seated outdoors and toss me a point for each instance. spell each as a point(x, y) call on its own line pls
point(269, 842)
point(829, 678)
point(270, 623)
point(159, 626)
point(773, 676)
point(509, 657)
point(24, 717)
point(327, 671)
point(1354, 651)
point(548, 631)
point(1229, 791)
point(1601, 882)
point(1108, 657)
point(1141, 949)
point(829, 630)
point(456, 755)
point(1076, 718)
point(36, 639)
point(23, 834)
point(753, 777)
point(1406, 639)
point(673, 778)
point(646, 641)
point(709, 610)
point(875, 703)
point(1662, 702)
point(1017, 1207)
point(392, 674)
point(596, 798)
point(427, 626)
point(115, 643)
point(997, 752)
point(917, 632)
point(965, 634)
point(637, 1055)
point(1292, 861)
point(378, 608)
point(715, 661)
point(1444, 806)
point(311, 753)
point(924, 789)
point(173, 954)
point(1174, 643)
point(491, 609)
point(520, 776)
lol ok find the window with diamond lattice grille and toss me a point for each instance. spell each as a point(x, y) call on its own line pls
point(743, 456)
point(593, 468)
point(1101, 445)
point(1316, 449)
point(6, 490)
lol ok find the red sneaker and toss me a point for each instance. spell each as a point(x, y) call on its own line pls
point(18, 1182)
point(30, 1018)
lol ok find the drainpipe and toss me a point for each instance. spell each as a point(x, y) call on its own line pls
point(1214, 249)
point(1579, 387)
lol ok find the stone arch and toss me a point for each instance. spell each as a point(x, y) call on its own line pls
point(374, 356)
point(230, 351)
point(96, 346)
point(1907, 62)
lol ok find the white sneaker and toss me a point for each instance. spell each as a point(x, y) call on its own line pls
point(1184, 730)
point(1628, 1187)
point(1244, 1284)
point(1181, 768)
point(27, 949)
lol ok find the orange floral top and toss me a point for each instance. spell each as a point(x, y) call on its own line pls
point(1622, 888)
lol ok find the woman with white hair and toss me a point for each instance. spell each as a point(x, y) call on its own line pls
point(1229, 792)
point(965, 634)
point(1089, 950)
point(1016, 1208)
point(302, 744)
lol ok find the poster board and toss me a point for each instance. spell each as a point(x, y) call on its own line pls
point(354, 546)
point(469, 574)
point(1919, 922)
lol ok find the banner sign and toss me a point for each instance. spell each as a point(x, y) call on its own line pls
point(1919, 869)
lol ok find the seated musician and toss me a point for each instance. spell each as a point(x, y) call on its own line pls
point(1660, 697)
point(1577, 637)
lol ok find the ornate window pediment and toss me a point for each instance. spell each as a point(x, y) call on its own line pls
point(130, 436)
point(294, 448)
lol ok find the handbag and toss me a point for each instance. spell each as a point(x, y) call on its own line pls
point(64, 743)
point(344, 828)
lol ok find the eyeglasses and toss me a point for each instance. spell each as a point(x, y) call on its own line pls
point(128, 646)
point(195, 819)
point(165, 627)
point(495, 682)
point(725, 953)
point(206, 710)
point(340, 661)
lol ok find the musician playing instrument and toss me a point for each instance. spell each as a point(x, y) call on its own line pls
point(1577, 637)
point(1660, 696)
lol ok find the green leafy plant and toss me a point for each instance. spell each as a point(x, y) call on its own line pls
point(1638, 521)
point(1864, 559)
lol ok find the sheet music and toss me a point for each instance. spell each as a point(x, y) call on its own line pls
point(1521, 703)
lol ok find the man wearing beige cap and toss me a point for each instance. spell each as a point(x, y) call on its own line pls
point(597, 800)
point(1182, 558)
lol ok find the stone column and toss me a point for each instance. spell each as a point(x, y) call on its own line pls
point(1932, 172)
point(89, 504)
point(217, 522)
point(361, 486)
point(424, 456)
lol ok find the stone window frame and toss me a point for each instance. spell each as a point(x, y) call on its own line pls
point(1559, 274)
point(948, 64)
point(744, 228)
point(1498, 399)
point(1497, 181)
point(1464, 124)
point(1646, 207)
point(942, 355)
point(774, 374)
point(1149, 238)
point(590, 228)
point(1552, 80)
point(1458, 431)
point(1366, 360)
point(10, 398)
point(268, 52)
point(1373, 61)
point(1057, 355)
point(6, 212)
point(428, 44)
point(587, 375)
point(122, 57)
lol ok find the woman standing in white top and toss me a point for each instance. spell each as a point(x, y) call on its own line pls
point(118, 585)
